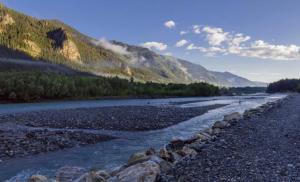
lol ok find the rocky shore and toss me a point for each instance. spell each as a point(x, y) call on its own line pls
point(220, 153)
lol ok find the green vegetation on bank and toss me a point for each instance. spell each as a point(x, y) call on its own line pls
point(285, 85)
point(35, 86)
point(242, 90)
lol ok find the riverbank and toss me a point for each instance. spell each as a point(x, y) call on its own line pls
point(32, 133)
point(263, 146)
point(213, 154)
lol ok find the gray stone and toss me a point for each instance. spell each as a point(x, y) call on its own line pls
point(69, 174)
point(220, 124)
point(232, 116)
point(197, 146)
point(37, 178)
point(94, 176)
point(142, 172)
point(216, 131)
point(164, 154)
point(164, 165)
point(187, 151)
point(138, 157)
point(202, 136)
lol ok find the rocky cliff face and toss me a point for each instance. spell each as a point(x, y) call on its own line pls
point(64, 45)
point(70, 51)
point(31, 48)
point(5, 20)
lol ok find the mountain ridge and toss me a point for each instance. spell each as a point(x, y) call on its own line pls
point(54, 41)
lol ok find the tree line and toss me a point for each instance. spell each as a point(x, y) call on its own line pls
point(34, 86)
point(285, 85)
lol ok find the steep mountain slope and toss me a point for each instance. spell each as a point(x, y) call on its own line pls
point(219, 78)
point(25, 37)
point(187, 71)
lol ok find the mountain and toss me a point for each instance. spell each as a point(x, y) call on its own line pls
point(27, 38)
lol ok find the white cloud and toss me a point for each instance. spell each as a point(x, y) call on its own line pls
point(264, 50)
point(183, 32)
point(193, 47)
point(110, 46)
point(210, 51)
point(170, 24)
point(238, 39)
point(155, 45)
point(215, 36)
point(181, 43)
point(196, 29)
point(168, 54)
point(224, 43)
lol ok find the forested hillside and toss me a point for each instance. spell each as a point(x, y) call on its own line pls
point(25, 37)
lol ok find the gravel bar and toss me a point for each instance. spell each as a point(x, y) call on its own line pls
point(129, 118)
point(21, 143)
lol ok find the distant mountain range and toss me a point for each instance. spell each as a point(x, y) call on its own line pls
point(26, 38)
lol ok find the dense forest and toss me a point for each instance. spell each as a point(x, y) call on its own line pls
point(286, 85)
point(242, 90)
point(35, 86)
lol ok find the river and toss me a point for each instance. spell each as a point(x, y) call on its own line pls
point(111, 154)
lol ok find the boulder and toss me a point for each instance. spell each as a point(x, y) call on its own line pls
point(186, 151)
point(101, 173)
point(191, 140)
point(94, 176)
point(221, 124)
point(232, 116)
point(164, 154)
point(164, 165)
point(142, 172)
point(208, 131)
point(117, 170)
point(37, 178)
point(150, 151)
point(176, 144)
point(138, 157)
point(175, 156)
point(69, 174)
point(216, 131)
point(203, 136)
point(197, 146)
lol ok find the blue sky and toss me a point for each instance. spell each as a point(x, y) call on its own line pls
point(257, 39)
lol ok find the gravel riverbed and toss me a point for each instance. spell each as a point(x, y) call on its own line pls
point(261, 148)
point(29, 142)
point(31, 133)
point(129, 118)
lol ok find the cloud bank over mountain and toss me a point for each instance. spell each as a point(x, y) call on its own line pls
point(214, 41)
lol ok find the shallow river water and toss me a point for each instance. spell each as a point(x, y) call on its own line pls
point(110, 154)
